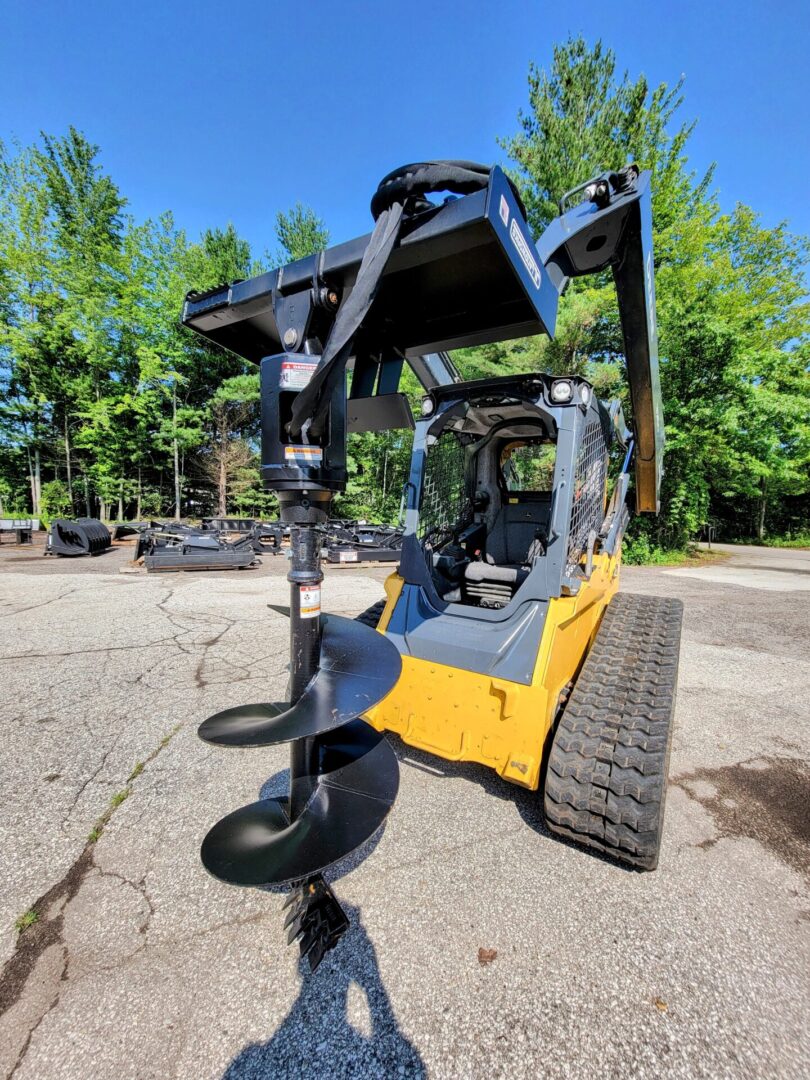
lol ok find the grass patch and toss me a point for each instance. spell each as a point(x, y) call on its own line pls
point(25, 920)
point(641, 553)
point(124, 794)
point(168, 738)
point(800, 540)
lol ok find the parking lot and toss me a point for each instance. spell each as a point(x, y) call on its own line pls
point(141, 966)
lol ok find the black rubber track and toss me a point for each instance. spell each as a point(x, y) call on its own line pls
point(371, 616)
point(607, 769)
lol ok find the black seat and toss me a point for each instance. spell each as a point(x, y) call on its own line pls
point(513, 543)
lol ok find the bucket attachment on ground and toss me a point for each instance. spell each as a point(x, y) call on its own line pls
point(229, 525)
point(183, 547)
point(353, 542)
point(123, 529)
point(85, 536)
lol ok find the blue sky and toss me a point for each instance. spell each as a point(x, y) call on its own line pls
point(225, 112)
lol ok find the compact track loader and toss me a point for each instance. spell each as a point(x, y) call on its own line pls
point(502, 640)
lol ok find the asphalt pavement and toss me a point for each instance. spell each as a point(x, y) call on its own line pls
point(142, 966)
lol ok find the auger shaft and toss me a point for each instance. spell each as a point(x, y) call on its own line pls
point(305, 579)
point(316, 918)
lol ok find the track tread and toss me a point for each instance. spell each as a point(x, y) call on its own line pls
point(607, 770)
point(371, 616)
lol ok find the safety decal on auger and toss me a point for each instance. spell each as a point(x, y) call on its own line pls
point(295, 374)
point(303, 455)
point(310, 600)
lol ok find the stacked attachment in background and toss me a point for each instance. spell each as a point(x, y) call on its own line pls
point(85, 536)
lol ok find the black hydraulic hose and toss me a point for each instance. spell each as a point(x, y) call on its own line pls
point(399, 195)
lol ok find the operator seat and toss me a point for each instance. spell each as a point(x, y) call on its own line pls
point(515, 540)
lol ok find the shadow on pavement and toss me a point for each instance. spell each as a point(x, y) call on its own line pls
point(317, 1038)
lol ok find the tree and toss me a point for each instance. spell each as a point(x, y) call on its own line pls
point(732, 315)
point(300, 232)
point(61, 218)
point(233, 420)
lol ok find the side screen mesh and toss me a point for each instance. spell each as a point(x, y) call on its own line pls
point(444, 503)
point(590, 478)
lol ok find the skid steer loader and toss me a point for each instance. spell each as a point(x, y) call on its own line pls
point(502, 640)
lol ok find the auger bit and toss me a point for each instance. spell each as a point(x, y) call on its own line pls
point(344, 775)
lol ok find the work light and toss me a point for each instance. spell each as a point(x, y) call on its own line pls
point(561, 391)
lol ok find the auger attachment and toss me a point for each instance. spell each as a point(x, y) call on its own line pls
point(344, 776)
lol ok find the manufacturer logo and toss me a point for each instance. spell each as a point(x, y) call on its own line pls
point(528, 260)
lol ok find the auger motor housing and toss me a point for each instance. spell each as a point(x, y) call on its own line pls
point(304, 470)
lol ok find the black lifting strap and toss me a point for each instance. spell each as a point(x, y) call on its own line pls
point(400, 194)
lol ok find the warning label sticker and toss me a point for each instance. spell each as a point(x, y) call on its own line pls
point(347, 556)
point(503, 210)
point(310, 601)
point(303, 455)
point(523, 250)
point(295, 374)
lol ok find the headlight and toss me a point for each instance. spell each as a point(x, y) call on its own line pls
point(561, 391)
point(585, 394)
point(427, 406)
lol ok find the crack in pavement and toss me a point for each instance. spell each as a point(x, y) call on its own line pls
point(32, 607)
point(49, 928)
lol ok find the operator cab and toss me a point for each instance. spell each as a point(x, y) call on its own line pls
point(487, 476)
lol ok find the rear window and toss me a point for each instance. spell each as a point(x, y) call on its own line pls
point(528, 466)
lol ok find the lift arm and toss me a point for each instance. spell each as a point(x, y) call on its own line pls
point(612, 227)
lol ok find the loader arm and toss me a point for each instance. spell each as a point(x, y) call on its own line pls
point(612, 228)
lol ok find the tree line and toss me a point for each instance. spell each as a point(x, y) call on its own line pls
point(110, 407)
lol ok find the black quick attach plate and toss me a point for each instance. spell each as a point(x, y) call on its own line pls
point(465, 273)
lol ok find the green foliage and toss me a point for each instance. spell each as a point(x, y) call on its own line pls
point(28, 918)
point(800, 540)
point(733, 318)
point(300, 232)
point(55, 500)
point(107, 405)
point(378, 468)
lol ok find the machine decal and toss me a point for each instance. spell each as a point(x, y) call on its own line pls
point(295, 374)
point(303, 455)
point(522, 248)
point(504, 210)
point(310, 602)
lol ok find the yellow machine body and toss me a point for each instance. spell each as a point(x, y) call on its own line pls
point(465, 716)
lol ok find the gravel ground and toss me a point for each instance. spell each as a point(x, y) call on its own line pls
point(141, 966)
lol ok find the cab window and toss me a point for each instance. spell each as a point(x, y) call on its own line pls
point(528, 465)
